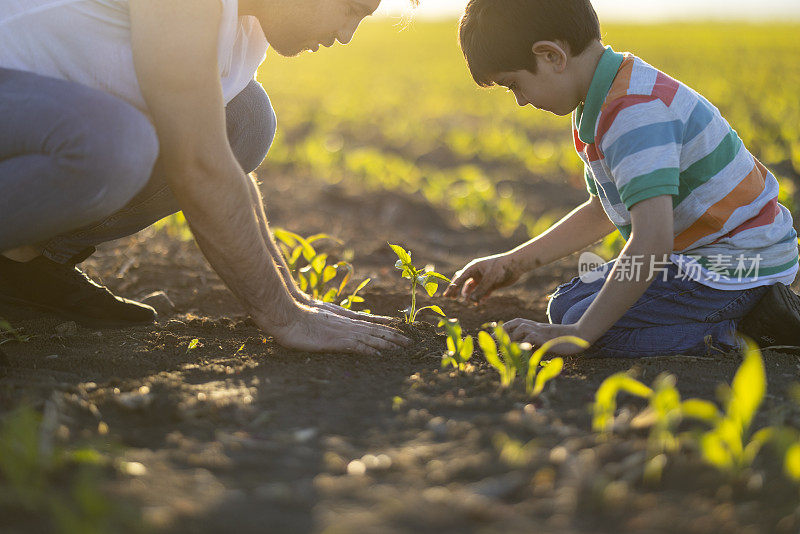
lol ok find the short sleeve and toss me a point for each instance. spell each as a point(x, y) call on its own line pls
point(591, 186)
point(641, 142)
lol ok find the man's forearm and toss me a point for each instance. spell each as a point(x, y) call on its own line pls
point(582, 227)
point(229, 227)
point(269, 240)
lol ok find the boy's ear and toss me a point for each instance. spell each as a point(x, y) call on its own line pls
point(550, 53)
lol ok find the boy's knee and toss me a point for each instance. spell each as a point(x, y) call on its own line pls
point(557, 308)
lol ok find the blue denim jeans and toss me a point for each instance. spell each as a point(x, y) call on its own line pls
point(674, 316)
point(77, 164)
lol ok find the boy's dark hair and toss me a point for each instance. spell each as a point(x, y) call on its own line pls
point(498, 35)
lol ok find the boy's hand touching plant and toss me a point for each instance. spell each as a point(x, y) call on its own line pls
point(483, 276)
point(537, 334)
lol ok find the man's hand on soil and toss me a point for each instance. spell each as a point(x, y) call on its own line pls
point(351, 314)
point(537, 334)
point(318, 330)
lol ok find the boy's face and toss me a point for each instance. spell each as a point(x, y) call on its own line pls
point(555, 87)
point(293, 26)
point(544, 90)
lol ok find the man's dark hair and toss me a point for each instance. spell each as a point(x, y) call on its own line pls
point(498, 35)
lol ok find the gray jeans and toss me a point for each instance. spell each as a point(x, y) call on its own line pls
point(76, 164)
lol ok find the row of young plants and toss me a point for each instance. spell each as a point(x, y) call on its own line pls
point(724, 438)
point(507, 357)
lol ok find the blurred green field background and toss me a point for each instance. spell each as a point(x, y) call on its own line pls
point(397, 110)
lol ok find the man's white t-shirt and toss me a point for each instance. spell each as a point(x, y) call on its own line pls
point(89, 42)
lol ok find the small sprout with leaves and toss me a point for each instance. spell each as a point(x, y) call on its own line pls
point(538, 376)
point(729, 445)
point(428, 279)
point(193, 344)
point(503, 354)
point(311, 269)
point(354, 298)
point(459, 350)
point(8, 333)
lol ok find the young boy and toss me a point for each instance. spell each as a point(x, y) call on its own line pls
point(707, 241)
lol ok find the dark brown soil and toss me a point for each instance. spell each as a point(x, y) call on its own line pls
point(241, 435)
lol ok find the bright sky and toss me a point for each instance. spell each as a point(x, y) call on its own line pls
point(649, 10)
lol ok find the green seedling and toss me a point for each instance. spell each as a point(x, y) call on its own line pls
point(62, 486)
point(507, 357)
point(459, 350)
point(427, 279)
point(193, 344)
point(354, 298)
point(539, 375)
point(311, 270)
point(729, 445)
point(9, 333)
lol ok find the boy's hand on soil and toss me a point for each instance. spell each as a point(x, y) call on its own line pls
point(537, 334)
point(481, 277)
point(317, 330)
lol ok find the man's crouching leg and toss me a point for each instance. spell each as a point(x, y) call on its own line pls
point(69, 155)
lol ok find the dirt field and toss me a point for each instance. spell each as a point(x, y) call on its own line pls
point(240, 435)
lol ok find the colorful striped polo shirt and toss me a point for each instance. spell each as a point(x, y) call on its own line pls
point(643, 134)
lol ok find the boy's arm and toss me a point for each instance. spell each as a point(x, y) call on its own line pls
point(582, 227)
point(651, 241)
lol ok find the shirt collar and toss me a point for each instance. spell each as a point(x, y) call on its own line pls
point(586, 114)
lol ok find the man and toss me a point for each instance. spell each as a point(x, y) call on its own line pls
point(116, 113)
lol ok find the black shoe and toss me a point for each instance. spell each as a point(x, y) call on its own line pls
point(775, 320)
point(65, 290)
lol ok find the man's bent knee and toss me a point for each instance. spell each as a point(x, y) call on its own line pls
point(251, 125)
point(119, 149)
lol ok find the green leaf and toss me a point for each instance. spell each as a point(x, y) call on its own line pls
point(715, 452)
point(362, 285)
point(702, 410)
point(605, 403)
point(748, 387)
point(318, 263)
point(489, 348)
point(349, 272)
point(792, 462)
point(404, 256)
point(548, 372)
point(451, 344)
point(313, 280)
point(318, 237)
point(466, 349)
point(285, 236)
point(758, 440)
point(435, 309)
point(290, 238)
point(193, 344)
point(295, 256)
point(330, 296)
point(431, 288)
point(328, 274)
point(434, 274)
